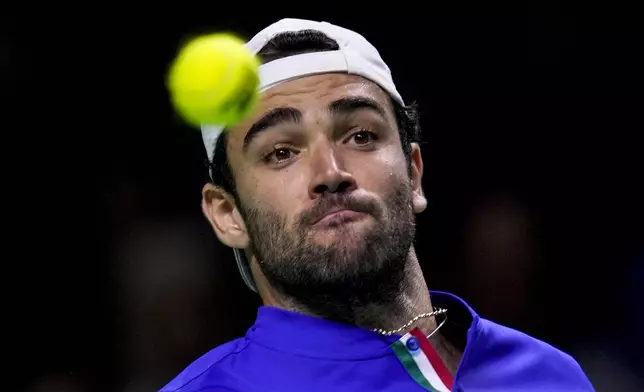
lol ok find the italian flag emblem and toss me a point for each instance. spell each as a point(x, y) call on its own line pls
point(422, 362)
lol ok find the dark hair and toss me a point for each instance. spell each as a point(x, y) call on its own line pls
point(293, 43)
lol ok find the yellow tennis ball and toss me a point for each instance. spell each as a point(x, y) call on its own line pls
point(214, 80)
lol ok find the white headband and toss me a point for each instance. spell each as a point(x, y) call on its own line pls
point(355, 56)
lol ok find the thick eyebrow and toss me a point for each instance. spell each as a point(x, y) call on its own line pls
point(271, 119)
point(349, 105)
point(341, 107)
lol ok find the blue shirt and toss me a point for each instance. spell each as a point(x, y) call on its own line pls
point(286, 351)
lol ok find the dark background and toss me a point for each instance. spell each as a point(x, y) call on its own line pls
point(532, 119)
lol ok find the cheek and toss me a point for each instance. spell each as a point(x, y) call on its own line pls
point(287, 185)
point(276, 192)
point(379, 171)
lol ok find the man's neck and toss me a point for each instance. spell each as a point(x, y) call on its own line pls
point(412, 300)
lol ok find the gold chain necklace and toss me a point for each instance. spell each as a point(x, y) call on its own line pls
point(436, 312)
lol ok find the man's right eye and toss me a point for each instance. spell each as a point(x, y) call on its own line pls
point(279, 155)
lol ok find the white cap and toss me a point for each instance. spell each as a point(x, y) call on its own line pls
point(355, 56)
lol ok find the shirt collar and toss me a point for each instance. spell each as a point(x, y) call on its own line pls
point(314, 337)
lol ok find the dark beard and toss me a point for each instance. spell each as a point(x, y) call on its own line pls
point(334, 281)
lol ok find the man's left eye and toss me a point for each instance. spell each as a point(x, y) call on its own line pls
point(363, 137)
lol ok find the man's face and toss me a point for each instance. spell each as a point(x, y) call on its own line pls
point(324, 187)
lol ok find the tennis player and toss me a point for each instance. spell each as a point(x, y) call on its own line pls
point(317, 194)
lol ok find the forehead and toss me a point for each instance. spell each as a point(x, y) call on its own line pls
point(311, 94)
point(315, 92)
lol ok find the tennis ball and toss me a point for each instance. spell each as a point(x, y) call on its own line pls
point(214, 80)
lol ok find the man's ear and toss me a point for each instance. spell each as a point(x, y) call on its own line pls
point(221, 211)
point(419, 202)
